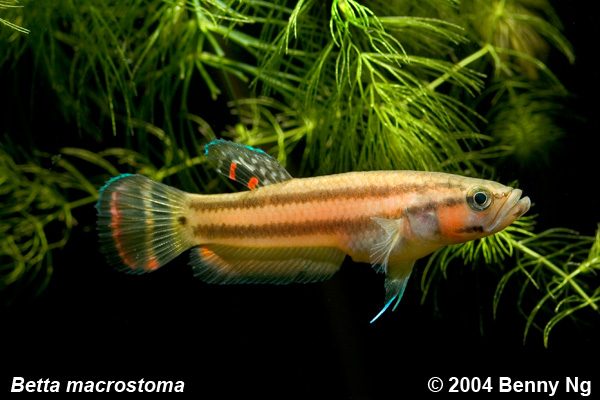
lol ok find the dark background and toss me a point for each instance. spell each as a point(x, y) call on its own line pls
point(315, 340)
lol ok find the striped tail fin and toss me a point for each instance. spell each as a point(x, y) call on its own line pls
point(141, 223)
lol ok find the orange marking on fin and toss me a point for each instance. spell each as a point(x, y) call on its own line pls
point(152, 264)
point(206, 252)
point(116, 234)
point(214, 259)
point(115, 220)
point(232, 171)
point(252, 182)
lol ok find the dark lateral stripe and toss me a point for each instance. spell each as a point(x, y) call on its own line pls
point(360, 192)
point(284, 229)
point(290, 229)
point(470, 229)
point(434, 205)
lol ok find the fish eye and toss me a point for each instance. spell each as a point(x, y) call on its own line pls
point(479, 198)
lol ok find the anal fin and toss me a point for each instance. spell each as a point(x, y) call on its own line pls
point(277, 265)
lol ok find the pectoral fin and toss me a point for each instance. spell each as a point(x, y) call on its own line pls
point(390, 238)
point(395, 283)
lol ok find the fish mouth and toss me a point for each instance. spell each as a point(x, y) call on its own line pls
point(514, 206)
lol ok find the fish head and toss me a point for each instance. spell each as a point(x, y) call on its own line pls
point(484, 208)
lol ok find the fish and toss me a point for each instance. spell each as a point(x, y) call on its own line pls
point(284, 229)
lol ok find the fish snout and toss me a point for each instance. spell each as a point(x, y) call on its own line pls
point(514, 207)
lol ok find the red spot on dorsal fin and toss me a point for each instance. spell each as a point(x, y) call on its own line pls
point(252, 182)
point(248, 166)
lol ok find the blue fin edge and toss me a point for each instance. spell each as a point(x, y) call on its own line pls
point(217, 141)
point(107, 184)
point(383, 309)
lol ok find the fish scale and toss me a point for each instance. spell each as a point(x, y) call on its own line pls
point(288, 230)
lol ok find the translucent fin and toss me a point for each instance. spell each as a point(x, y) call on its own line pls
point(251, 167)
point(141, 223)
point(395, 284)
point(387, 241)
point(229, 265)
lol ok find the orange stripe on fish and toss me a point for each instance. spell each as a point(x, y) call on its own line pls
point(298, 230)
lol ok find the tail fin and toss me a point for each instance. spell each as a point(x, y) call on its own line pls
point(141, 223)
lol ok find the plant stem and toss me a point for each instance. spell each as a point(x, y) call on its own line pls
point(558, 271)
point(460, 65)
point(498, 12)
point(82, 202)
point(160, 175)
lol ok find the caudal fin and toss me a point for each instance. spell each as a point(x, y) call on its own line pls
point(141, 223)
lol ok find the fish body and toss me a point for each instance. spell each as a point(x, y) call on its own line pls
point(298, 230)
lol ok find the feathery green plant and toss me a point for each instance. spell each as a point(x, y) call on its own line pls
point(341, 85)
point(563, 266)
point(36, 215)
point(7, 5)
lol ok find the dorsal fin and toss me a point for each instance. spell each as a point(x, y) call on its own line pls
point(251, 167)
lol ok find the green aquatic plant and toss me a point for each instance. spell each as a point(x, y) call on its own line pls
point(524, 123)
point(326, 87)
point(4, 5)
point(558, 264)
point(36, 216)
point(562, 265)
